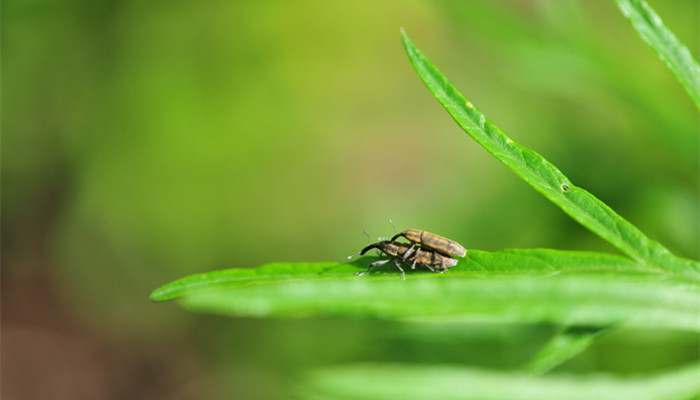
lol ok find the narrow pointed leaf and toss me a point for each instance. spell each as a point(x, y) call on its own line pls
point(513, 260)
point(566, 288)
point(544, 176)
point(652, 30)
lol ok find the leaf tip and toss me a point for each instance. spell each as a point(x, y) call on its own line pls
point(404, 35)
point(407, 43)
point(159, 295)
point(154, 297)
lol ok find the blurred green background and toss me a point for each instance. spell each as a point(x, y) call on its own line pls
point(144, 141)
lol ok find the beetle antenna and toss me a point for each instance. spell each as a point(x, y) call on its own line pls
point(392, 225)
point(369, 240)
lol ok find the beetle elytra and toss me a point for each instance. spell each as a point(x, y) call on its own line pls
point(432, 241)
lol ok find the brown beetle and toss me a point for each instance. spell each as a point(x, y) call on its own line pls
point(406, 253)
point(432, 241)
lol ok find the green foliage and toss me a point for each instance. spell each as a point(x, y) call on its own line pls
point(568, 288)
point(590, 294)
point(480, 263)
point(371, 381)
point(141, 152)
point(652, 30)
point(638, 300)
point(543, 176)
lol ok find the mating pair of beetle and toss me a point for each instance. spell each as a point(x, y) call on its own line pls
point(426, 249)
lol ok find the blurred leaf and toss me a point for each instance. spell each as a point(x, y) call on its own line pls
point(653, 31)
point(589, 71)
point(565, 345)
point(568, 288)
point(374, 381)
point(545, 177)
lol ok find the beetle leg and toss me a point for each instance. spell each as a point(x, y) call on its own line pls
point(374, 264)
point(408, 252)
point(403, 274)
point(380, 262)
point(413, 266)
point(429, 267)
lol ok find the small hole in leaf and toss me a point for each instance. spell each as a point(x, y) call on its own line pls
point(565, 187)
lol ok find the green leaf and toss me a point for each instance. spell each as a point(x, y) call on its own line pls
point(514, 260)
point(266, 274)
point(545, 177)
point(677, 57)
point(576, 299)
point(376, 381)
point(565, 345)
point(567, 288)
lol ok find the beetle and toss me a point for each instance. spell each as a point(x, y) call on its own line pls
point(406, 253)
point(432, 241)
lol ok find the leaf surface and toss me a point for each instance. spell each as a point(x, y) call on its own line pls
point(567, 288)
point(510, 260)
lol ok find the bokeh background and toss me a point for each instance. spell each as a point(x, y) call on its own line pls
point(147, 140)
